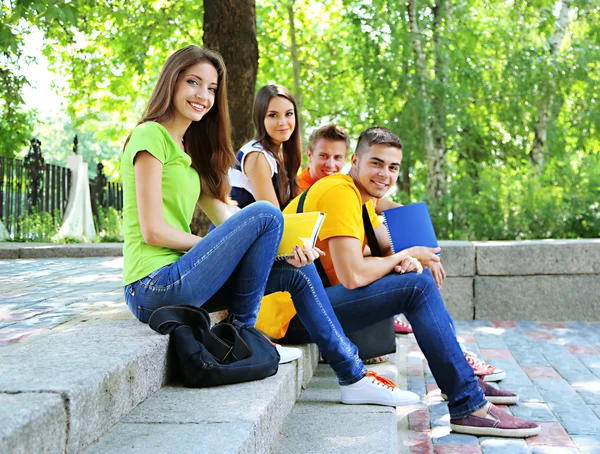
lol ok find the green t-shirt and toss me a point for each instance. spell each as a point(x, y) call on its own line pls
point(180, 192)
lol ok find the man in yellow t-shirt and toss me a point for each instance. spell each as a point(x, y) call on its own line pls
point(366, 290)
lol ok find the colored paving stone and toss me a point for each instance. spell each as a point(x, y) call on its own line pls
point(499, 353)
point(504, 324)
point(552, 434)
point(582, 350)
point(533, 411)
point(419, 420)
point(456, 439)
point(457, 449)
point(539, 335)
point(538, 372)
point(587, 444)
point(419, 443)
point(553, 325)
point(504, 446)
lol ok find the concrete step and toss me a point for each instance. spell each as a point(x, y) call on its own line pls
point(319, 423)
point(240, 418)
point(59, 392)
point(10, 250)
point(62, 391)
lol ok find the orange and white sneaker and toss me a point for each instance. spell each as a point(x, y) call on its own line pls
point(373, 389)
point(483, 370)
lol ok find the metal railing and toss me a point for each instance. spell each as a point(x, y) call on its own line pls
point(32, 184)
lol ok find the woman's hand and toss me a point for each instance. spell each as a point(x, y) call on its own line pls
point(304, 256)
point(426, 255)
point(409, 264)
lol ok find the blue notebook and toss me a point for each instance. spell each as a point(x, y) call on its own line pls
point(410, 225)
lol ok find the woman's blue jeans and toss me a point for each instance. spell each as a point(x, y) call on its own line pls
point(317, 315)
point(417, 297)
point(228, 268)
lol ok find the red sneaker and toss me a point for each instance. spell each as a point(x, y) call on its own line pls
point(402, 328)
point(483, 370)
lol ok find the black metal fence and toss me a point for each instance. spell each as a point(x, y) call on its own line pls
point(31, 183)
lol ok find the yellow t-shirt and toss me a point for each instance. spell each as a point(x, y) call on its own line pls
point(339, 198)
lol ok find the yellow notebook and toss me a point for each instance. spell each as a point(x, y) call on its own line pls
point(299, 229)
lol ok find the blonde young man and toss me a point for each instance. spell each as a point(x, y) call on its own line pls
point(327, 151)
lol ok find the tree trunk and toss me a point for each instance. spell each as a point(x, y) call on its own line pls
point(230, 28)
point(295, 61)
point(421, 73)
point(436, 178)
point(547, 99)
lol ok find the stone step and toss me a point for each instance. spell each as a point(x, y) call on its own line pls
point(240, 418)
point(59, 392)
point(319, 423)
point(9, 250)
point(62, 391)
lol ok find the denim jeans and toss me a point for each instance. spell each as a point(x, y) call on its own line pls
point(417, 297)
point(317, 315)
point(229, 267)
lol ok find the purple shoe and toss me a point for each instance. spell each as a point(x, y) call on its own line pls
point(497, 396)
point(496, 424)
point(494, 395)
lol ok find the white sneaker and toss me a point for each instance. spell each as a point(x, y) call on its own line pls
point(373, 389)
point(288, 354)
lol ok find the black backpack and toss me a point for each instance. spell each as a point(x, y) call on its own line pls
point(230, 352)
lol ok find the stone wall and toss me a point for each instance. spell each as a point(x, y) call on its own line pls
point(545, 280)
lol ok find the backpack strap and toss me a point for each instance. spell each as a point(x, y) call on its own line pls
point(318, 264)
point(166, 319)
point(370, 233)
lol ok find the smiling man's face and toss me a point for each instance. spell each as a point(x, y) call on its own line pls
point(376, 171)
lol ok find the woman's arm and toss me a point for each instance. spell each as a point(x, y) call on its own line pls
point(148, 188)
point(217, 211)
point(259, 172)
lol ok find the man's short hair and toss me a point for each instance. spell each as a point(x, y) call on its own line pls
point(376, 135)
point(331, 132)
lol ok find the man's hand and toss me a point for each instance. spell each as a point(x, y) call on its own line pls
point(409, 264)
point(439, 274)
point(426, 255)
point(304, 256)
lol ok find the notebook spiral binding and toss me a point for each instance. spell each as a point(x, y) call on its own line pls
point(388, 232)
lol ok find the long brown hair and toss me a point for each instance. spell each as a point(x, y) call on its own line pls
point(207, 141)
point(292, 148)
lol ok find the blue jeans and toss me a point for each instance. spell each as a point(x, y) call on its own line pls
point(317, 315)
point(417, 297)
point(229, 267)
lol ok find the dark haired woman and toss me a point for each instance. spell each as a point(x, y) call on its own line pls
point(268, 166)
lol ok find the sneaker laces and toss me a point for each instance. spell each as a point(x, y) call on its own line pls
point(477, 363)
point(386, 382)
point(401, 323)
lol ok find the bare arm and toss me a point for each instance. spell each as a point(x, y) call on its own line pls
point(385, 204)
point(148, 188)
point(217, 211)
point(353, 269)
point(259, 172)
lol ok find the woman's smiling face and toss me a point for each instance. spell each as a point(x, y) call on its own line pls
point(280, 120)
point(195, 91)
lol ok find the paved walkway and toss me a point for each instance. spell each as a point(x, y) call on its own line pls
point(555, 367)
point(37, 295)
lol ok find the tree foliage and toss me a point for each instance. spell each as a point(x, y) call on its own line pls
point(356, 66)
